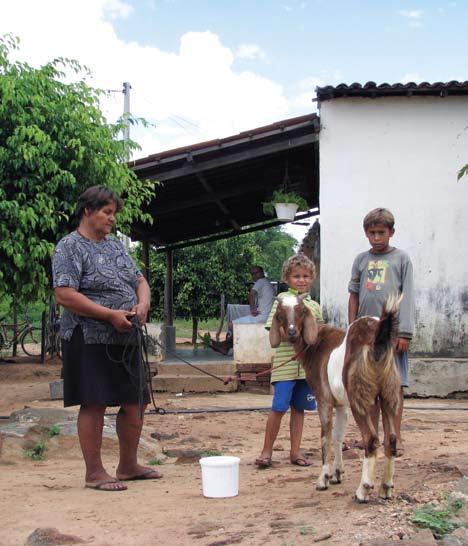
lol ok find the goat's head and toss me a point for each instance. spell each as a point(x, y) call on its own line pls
point(292, 320)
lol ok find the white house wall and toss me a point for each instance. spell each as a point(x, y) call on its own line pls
point(402, 153)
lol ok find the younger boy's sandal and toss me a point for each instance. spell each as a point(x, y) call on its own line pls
point(263, 462)
point(301, 461)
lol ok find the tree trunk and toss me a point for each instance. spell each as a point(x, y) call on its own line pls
point(194, 330)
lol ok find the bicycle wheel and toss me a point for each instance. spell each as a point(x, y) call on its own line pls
point(31, 341)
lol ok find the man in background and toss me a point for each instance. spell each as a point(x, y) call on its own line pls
point(261, 298)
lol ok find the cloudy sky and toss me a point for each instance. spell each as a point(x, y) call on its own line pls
point(202, 69)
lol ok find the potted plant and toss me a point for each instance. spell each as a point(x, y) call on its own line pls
point(285, 204)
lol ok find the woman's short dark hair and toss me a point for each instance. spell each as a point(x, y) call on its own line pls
point(96, 197)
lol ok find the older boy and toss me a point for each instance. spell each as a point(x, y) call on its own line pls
point(376, 274)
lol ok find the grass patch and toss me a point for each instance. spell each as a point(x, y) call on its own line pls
point(38, 452)
point(54, 430)
point(155, 462)
point(306, 531)
point(211, 453)
point(184, 327)
point(438, 518)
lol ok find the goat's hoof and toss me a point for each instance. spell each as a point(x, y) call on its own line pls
point(386, 491)
point(321, 486)
point(360, 499)
point(336, 478)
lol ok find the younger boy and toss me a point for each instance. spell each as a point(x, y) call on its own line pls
point(290, 387)
point(376, 274)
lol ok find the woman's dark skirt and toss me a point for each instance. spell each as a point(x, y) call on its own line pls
point(94, 374)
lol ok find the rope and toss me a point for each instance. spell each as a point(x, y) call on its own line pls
point(231, 378)
point(136, 343)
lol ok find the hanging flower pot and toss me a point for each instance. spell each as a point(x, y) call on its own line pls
point(286, 211)
point(285, 204)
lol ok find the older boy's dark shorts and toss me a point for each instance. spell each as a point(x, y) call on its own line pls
point(295, 393)
point(401, 360)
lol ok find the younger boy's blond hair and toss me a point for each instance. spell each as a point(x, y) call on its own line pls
point(379, 216)
point(297, 260)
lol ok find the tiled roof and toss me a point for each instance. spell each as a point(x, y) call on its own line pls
point(371, 89)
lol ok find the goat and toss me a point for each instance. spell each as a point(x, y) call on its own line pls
point(346, 369)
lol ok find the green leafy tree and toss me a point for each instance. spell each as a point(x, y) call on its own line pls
point(462, 172)
point(203, 272)
point(276, 246)
point(54, 143)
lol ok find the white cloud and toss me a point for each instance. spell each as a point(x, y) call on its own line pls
point(198, 83)
point(411, 14)
point(250, 52)
point(117, 9)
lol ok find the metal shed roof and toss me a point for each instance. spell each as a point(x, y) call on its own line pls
point(215, 189)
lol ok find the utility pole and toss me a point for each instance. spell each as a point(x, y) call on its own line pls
point(126, 93)
point(126, 134)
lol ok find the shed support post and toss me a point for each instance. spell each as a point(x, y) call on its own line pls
point(146, 267)
point(169, 329)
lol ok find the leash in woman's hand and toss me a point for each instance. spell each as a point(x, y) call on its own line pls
point(136, 341)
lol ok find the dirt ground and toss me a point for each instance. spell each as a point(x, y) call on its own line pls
point(276, 506)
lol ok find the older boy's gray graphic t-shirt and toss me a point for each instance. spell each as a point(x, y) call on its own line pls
point(104, 273)
point(375, 277)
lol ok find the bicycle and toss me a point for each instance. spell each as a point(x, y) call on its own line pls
point(24, 334)
point(52, 327)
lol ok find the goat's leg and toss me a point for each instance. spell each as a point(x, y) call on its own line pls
point(339, 429)
point(390, 446)
point(370, 440)
point(325, 410)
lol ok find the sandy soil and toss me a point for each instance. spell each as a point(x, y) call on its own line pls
point(276, 506)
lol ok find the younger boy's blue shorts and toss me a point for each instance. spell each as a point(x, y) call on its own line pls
point(401, 360)
point(295, 393)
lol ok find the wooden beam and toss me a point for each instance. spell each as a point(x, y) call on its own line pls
point(217, 200)
point(203, 199)
point(229, 234)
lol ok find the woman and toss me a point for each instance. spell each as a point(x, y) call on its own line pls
point(103, 294)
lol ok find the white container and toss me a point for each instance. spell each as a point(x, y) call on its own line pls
point(286, 211)
point(220, 476)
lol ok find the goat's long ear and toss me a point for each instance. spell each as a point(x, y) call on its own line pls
point(310, 328)
point(275, 334)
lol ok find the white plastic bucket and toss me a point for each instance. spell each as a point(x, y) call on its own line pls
point(220, 476)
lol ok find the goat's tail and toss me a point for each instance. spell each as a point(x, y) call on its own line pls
point(387, 329)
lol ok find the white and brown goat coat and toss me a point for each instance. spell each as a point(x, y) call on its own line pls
point(347, 369)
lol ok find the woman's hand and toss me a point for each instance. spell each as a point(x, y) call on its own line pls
point(119, 318)
point(141, 311)
point(402, 344)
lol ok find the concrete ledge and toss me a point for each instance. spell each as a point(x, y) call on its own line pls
point(252, 344)
point(443, 377)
